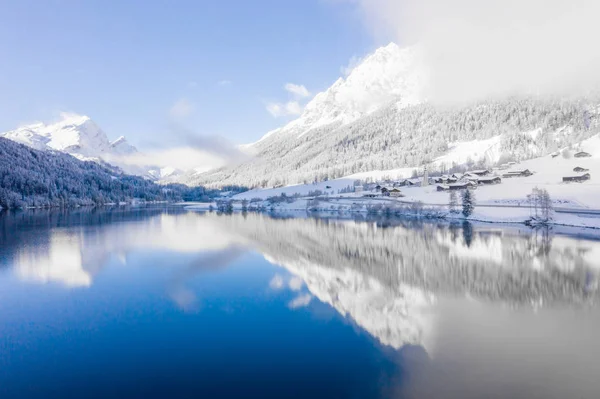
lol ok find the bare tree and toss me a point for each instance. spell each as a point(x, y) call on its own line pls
point(540, 205)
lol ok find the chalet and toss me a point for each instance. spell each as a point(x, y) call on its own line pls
point(442, 187)
point(582, 154)
point(407, 183)
point(489, 180)
point(384, 190)
point(441, 179)
point(579, 169)
point(576, 179)
point(457, 176)
point(517, 173)
point(482, 172)
point(445, 179)
point(394, 192)
point(378, 187)
point(468, 176)
point(462, 186)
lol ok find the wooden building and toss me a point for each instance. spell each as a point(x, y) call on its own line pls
point(576, 179)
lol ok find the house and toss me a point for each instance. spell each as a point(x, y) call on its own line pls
point(441, 179)
point(370, 195)
point(415, 182)
point(576, 179)
point(384, 190)
point(394, 192)
point(482, 172)
point(579, 169)
point(407, 183)
point(518, 173)
point(582, 154)
point(457, 176)
point(489, 180)
point(463, 186)
point(442, 187)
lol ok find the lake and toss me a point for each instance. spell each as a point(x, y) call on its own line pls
point(165, 303)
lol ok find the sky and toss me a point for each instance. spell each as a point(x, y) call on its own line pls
point(229, 68)
point(179, 74)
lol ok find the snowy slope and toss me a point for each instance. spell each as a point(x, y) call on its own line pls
point(122, 147)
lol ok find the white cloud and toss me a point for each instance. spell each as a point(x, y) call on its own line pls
point(225, 82)
point(300, 301)
point(276, 282)
point(295, 283)
point(182, 108)
point(475, 49)
point(352, 63)
point(291, 108)
point(297, 90)
point(183, 158)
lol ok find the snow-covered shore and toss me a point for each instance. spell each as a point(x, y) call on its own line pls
point(392, 207)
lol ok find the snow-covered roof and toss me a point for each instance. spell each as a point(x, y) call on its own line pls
point(487, 178)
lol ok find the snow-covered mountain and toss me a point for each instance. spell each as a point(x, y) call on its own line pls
point(378, 118)
point(390, 74)
point(80, 136)
point(77, 135)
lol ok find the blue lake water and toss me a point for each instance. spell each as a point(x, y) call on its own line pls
point(164, 303)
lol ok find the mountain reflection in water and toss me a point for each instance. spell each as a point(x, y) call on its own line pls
point(445, 297)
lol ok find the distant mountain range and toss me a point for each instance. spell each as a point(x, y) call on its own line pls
point(43, 178)
point(80, 136)
point(378, 118)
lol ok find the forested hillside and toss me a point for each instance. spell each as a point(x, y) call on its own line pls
point(31, 177)
point(399, 137)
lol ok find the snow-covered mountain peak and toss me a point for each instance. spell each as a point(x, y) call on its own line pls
point(122, 147)
point(390, 74)
point(73, 133)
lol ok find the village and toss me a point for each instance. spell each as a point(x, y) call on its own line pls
point(469, 180)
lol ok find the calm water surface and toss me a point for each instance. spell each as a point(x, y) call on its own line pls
point(155, 303)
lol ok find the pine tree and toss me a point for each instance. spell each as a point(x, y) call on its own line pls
point(468, 203)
